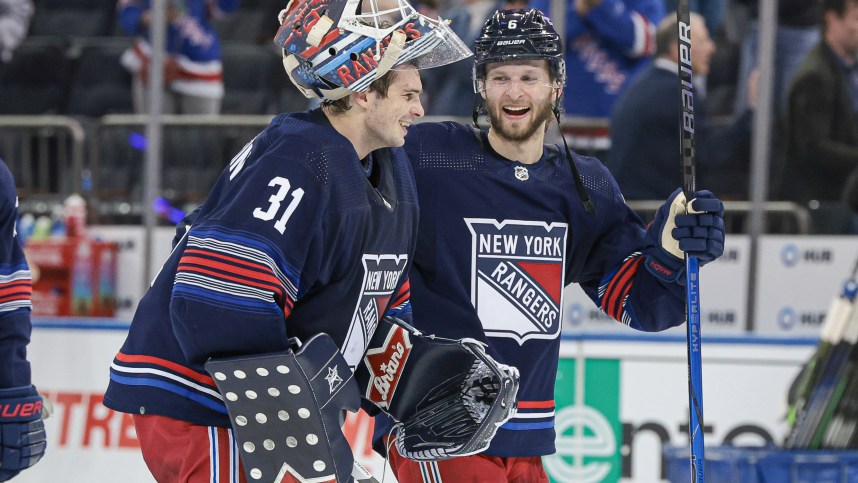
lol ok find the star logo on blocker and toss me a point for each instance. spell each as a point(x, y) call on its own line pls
point(333, 378)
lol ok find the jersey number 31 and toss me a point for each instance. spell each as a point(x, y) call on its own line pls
point(275, 200)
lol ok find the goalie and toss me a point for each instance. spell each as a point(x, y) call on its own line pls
point(239, 361)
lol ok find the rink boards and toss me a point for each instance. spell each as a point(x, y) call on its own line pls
point(627, 399)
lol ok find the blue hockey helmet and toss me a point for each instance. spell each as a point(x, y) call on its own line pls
point(526, 34)
point(334, 47)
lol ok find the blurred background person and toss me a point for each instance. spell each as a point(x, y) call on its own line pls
point(795, 35)
point(608, 42)
point(645, 156)
point(822, 121)
point(193, 73)
point(450, 89)
point(15, 16)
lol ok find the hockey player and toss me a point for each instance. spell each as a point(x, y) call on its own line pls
point(22, 433)
point(303, 243)
point(506, 222)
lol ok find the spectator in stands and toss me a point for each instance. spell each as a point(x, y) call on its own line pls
point(608, 43)
point(193, 74)
point(822, 120)
point(796, 34)
point(450, 88)
point(645, 155)
point(713, 11)
point(15, 16)
point(22, 433)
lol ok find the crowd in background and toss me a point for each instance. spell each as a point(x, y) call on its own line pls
point(619, 54)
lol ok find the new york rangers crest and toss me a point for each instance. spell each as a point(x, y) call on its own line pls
point(517, 277)
point(380, 278)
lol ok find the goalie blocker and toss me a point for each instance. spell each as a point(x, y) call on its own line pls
point(448, 396)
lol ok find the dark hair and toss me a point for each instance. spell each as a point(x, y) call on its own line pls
point(836, 6)
point(380, 86)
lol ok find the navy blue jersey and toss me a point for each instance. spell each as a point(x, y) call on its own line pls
point(15, 291)
point(293, 240)
point(498, 242)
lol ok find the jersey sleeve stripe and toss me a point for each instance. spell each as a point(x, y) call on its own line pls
point(536, 404)
point(16, 290)
point(249, 249)
point(644, 43)
point(229, 259)
point(618, 287)
point(201, 265)
point(403, 295)
point(157, 361)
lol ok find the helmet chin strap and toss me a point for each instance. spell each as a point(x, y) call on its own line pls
point(478, 107)
point(589, 207)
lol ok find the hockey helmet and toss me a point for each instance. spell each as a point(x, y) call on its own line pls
point(334, 47)
point(518, 35)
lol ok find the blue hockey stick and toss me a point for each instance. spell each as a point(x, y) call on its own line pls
point(692, 279)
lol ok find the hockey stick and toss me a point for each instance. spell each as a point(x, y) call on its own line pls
point(825, 368)
point(809, 421)
point(692, 279)
point(832, 332)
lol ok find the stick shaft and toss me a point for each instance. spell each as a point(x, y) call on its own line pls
point(692, 281)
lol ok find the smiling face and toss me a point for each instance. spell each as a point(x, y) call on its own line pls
point(518, 97)
point(388, 117)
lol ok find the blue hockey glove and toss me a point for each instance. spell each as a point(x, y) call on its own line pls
point(673, 232)
point(22, 433)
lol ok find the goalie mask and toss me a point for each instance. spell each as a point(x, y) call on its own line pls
point(510, 35)
point(334, 47)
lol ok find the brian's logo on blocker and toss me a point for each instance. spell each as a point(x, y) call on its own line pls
point(385, 365)
point(517, 276)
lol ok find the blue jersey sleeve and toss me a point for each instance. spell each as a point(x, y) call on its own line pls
point(15, 291)
point(247, 259)
point(129, 13)
point(607, 263)
point(627, 24)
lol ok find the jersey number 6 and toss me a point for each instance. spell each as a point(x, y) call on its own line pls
point(276, 200)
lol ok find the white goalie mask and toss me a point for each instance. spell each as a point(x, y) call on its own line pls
point(334, 47)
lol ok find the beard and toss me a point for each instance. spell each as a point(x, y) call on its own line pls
point(541, 114)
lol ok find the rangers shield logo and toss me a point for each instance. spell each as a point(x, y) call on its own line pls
point(517, 277)
point(381, 276)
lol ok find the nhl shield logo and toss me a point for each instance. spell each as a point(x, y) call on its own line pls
point(521, 173)
point(517, 277)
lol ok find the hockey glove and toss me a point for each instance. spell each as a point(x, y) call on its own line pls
point(698, 232)
point(449, 395)
point(22, 433)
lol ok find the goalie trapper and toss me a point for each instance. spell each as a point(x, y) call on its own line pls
point(449, 396)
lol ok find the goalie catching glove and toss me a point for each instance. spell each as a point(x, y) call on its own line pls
point(449, 396)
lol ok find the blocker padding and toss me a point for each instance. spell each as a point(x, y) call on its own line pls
point(285, 411)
